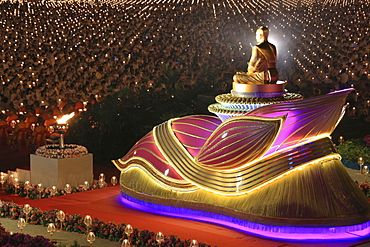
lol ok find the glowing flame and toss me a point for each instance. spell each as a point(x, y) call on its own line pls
point(65, 118)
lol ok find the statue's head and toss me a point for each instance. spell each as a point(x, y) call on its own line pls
point(262, 34)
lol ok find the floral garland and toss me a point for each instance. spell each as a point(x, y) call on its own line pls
point(69, 151)
point(75, 223)
point(32, 192)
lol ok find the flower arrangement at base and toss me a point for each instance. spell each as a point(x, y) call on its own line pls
point(367, 140)
point(54, 151)
point(364, 187)
point(25, 240)
point(75, 223)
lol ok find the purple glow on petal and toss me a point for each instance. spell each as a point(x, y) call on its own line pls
point(306, 118)
point(193, 131)
point(329, 234)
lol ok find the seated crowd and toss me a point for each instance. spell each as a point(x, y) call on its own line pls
point(22, 132)
point(56, 56)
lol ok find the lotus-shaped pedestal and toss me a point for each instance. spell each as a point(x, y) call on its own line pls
point(271, 168)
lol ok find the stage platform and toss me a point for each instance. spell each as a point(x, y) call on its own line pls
point(106, 205)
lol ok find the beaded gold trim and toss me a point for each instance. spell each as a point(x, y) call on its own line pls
point(231, 99)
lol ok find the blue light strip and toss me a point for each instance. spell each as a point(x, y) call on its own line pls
point(328, 234)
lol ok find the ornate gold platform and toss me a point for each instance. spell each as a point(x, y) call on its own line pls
point(254, 88)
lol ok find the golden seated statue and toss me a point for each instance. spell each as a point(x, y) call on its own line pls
point(249, 78)
point(262, 65)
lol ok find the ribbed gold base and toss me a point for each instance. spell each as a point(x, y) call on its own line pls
point(320, 194)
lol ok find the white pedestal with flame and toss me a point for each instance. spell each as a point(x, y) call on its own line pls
point(59, 172)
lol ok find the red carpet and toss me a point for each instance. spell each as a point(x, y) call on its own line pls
point(105, 204)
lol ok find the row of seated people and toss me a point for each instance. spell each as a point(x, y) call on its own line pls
point(31, 113)
point(30, 117)
point(24, 136)
point(49, 113)
point(63, 106)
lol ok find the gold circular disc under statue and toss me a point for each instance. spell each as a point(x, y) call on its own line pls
point(259, 88)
